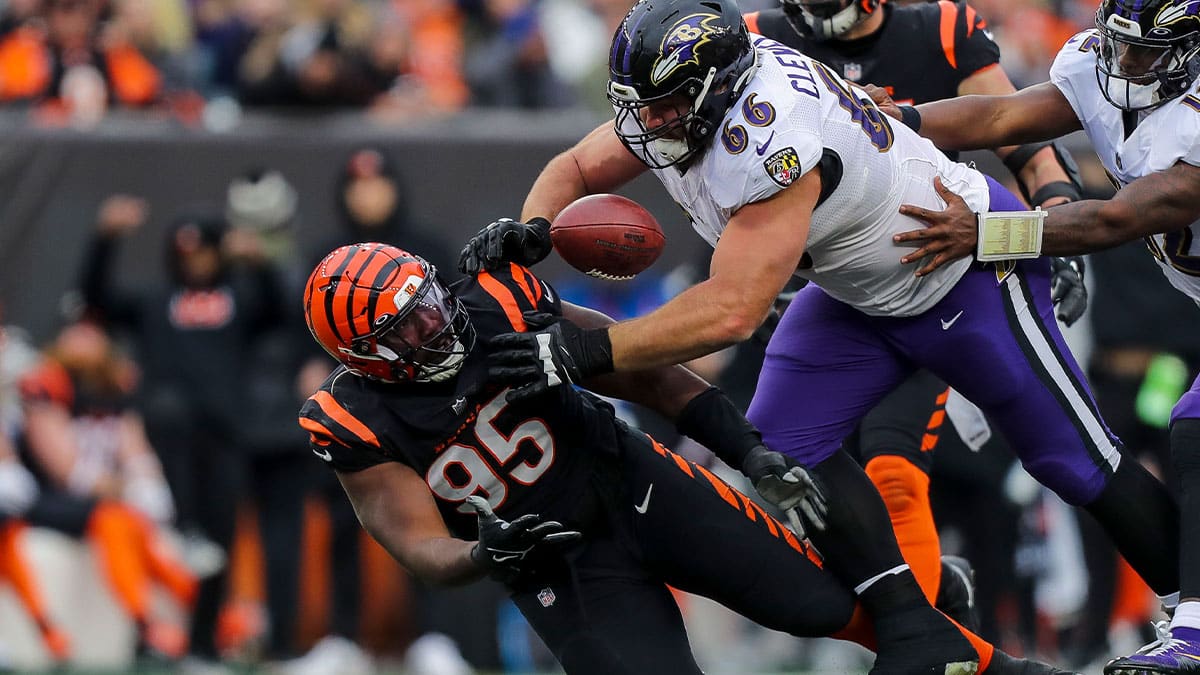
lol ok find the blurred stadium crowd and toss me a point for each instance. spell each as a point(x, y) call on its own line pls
point(155, 430)
point(68, 61)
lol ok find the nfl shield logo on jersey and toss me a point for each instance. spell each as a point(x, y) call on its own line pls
point(852, 71)
point(546, 597)
point(783, 166)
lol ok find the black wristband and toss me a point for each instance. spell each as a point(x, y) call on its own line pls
point(1060, 188)
point(910, 116)
point(712, 420)
point(596, 351)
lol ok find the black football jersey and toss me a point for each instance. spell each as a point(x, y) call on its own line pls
point(461, 435)
point(920, 54)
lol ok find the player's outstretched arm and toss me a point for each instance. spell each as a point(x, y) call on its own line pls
point(1161, 202)
point(597, 163)
point(1047, 174)
point(395, 507)
point(1038, 113)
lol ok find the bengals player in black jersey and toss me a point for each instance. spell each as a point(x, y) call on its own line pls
point(583, 518)
point(433, 457)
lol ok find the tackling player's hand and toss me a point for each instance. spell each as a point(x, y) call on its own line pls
point(951, 233)
point(510, 551)
point(553, 352)
point(1067, 290)
point(506, 240)
point(882, 100)
point(783, 482)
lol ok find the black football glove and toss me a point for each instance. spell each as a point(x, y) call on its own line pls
point(511, 551)
point(554, 352)
point(504, 241)
point(783, 482)
point(1067, 290)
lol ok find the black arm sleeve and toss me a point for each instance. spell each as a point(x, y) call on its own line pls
point(713, 421)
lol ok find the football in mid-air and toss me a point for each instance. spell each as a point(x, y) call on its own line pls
point(607, 236)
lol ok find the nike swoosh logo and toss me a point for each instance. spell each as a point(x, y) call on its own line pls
point(946, 324)
point(762, 147)
point(325, 455)
point(645, 502)
point(504, 558)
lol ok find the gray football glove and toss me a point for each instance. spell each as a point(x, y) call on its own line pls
point(783, 482)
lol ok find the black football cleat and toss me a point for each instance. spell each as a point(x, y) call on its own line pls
point(956, 593)
point(1003, 664)
point(922, 641)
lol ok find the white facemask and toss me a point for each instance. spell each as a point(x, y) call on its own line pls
point(1126, 94)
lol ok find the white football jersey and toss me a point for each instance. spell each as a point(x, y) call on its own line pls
point(1166, 135)
point(793, 111)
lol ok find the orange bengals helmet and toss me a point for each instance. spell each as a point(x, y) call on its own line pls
point(383, 312)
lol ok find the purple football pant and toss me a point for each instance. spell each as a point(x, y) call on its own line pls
point(996, 342)
point(1189, 404)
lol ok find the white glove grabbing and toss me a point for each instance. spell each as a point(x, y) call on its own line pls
point(18, 488)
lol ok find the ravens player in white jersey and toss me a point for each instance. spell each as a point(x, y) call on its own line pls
point(921, 53)
point(1131, 85)
point(786, 168)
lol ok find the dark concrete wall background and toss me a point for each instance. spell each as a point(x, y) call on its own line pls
point(461, 174)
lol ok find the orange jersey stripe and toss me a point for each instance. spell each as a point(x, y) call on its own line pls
point(752, 21)
point(943, 397)
point(505, 297)
point(949, 18)
point(317, 429)
point(936, 419)
point(518, 275)
point(971, 20)
point(343, 417)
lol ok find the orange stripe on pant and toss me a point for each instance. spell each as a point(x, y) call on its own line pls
point(739, 501)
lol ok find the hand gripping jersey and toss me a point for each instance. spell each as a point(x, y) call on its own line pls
point(920, 54)
point(1163, 136)
point(794, 114)
point(461, 435)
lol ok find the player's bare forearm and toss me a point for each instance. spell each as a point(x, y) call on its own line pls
point(442, 561)
point(665, 390)
point(705, 318)
point(395, 507)
point(757, 254)
point(1039, 113)
point(1160, 202)
point(597, 163)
